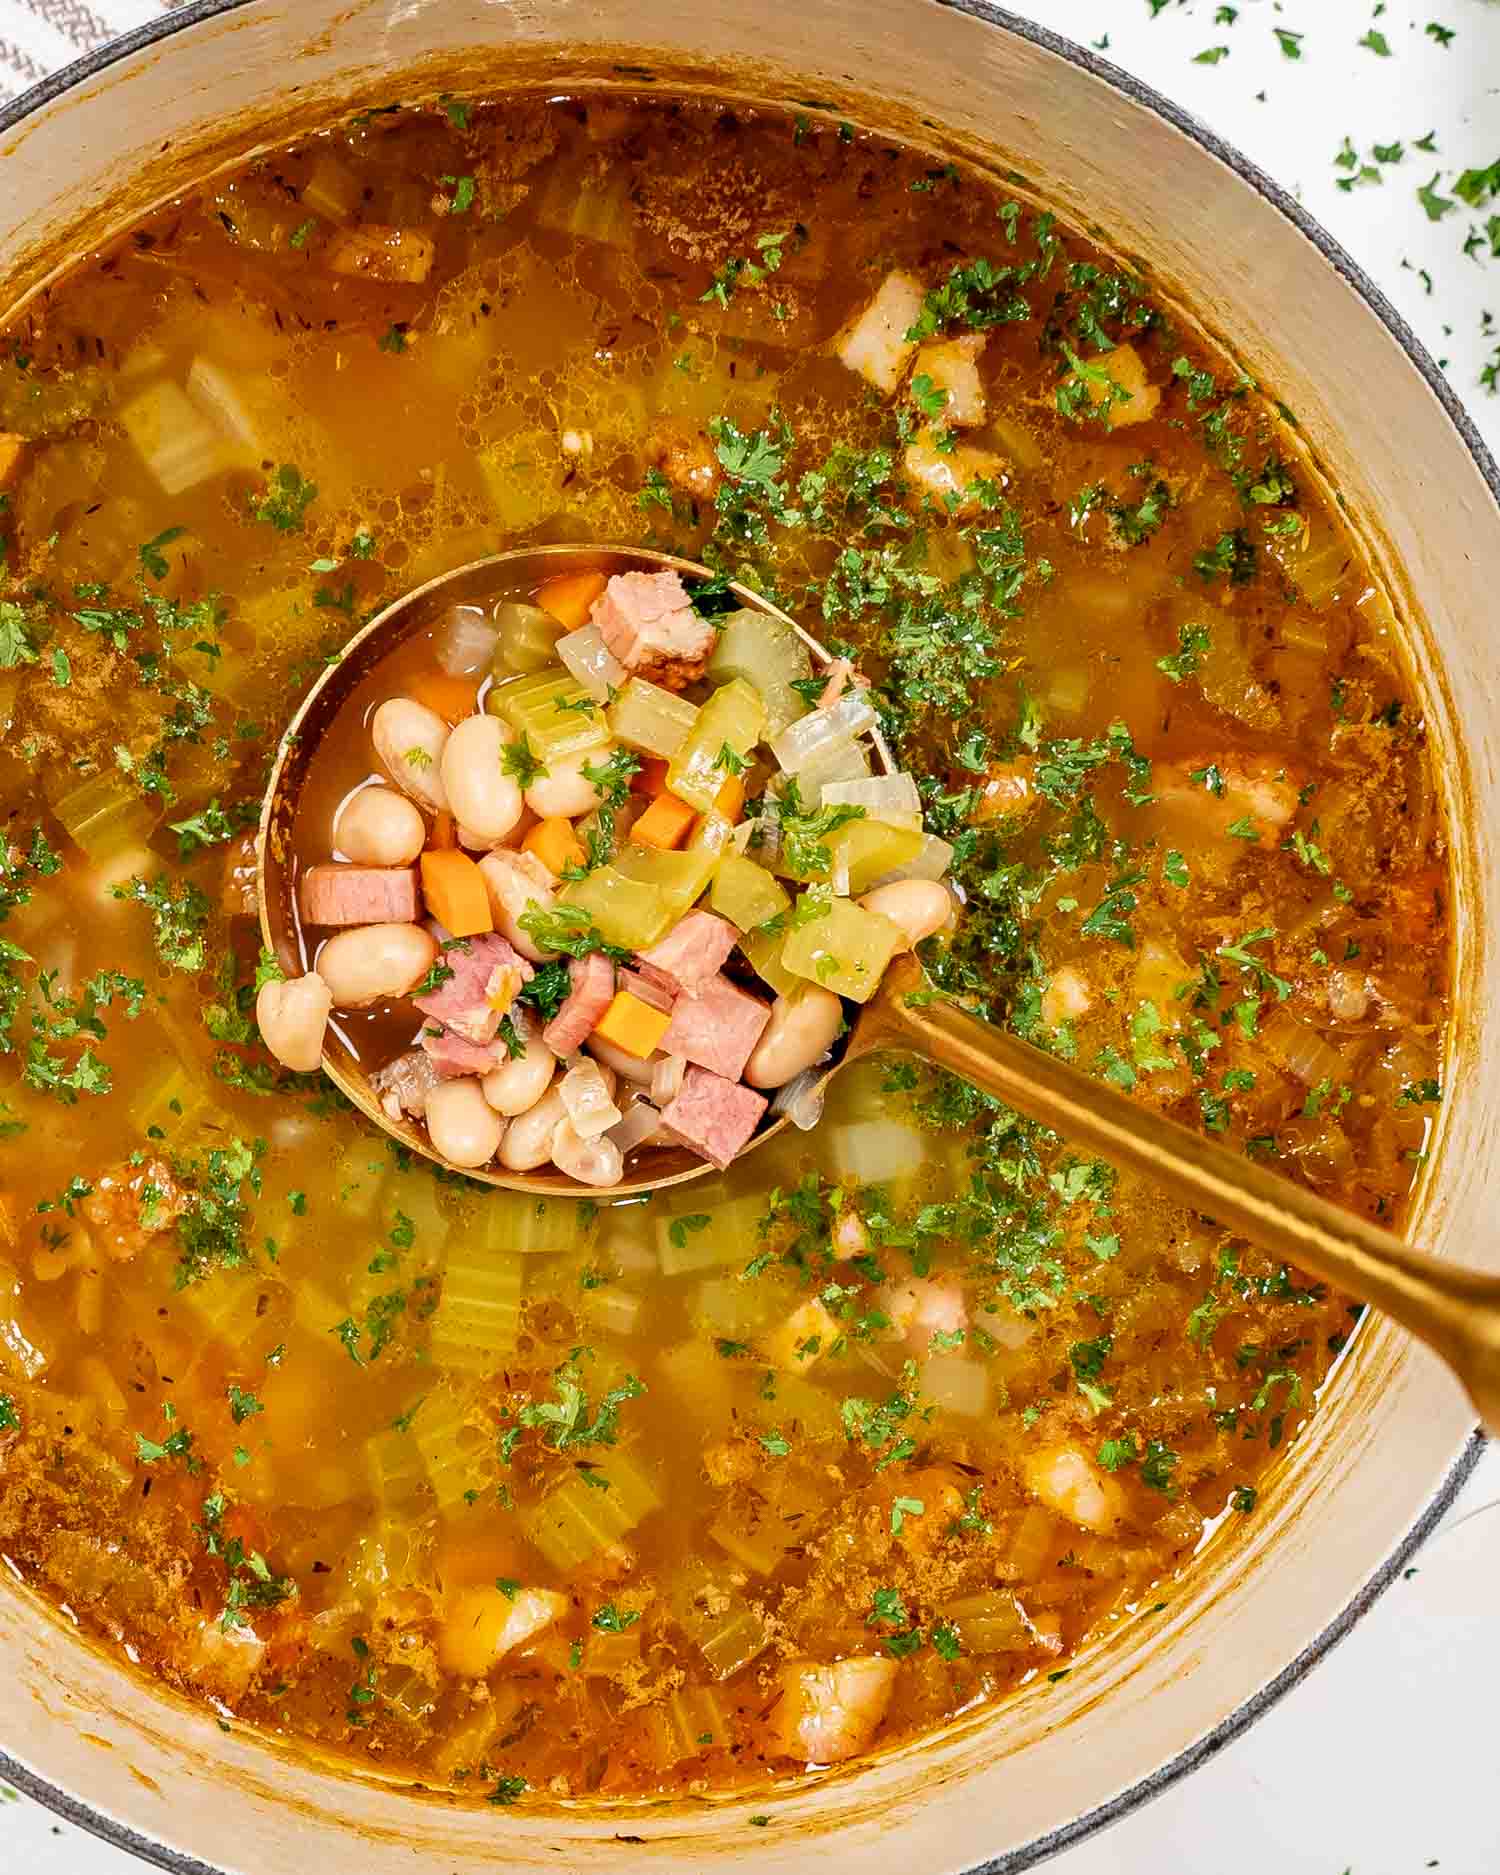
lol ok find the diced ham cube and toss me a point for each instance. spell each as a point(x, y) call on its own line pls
point(487, 976)
point(714, 1116)
point(718, 1028)
point(647, 621)
point(450, 1054)
point(593, 990)
point(650, 986)
point(404, 1084)
point(693, 951)
point(874, 343)
point(345, 895)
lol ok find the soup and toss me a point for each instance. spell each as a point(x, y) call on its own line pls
point(596, 1500)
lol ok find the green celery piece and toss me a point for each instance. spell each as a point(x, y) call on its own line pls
point(734, 716)
point(846, 951)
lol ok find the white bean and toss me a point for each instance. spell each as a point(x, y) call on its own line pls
point(462, 1124)
point(918, 906)
point(596, 1161)
point(520, 1083)
point(629, 1067)
point(378, 827)
point(517, 883)
point(802, 1029)
point(486, 801)
point(528, 1139)
point(293, 1017)
point(375, 961)
point(565, 789)
point(410, 739)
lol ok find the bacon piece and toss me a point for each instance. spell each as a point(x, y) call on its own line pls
point(450, 1054)
point(647, 621)
point(487, 975)
point(718, 1028)
point(593, 988)
point(693, 951)
point(714, 1116)
point(345, 895)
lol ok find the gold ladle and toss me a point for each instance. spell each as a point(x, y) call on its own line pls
point(1456, 1311)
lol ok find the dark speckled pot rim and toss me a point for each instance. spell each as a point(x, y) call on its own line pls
point(157, 32)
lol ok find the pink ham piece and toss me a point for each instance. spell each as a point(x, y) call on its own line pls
point(693, 951)
point(450, 1054)
point(718, 1028)
point(647, 621)
point(344, 895)
point(487, 974)
point(714, 1116)
point(650, 987)
point(593, 988)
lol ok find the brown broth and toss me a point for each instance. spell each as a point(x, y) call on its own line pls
point(363, 1455)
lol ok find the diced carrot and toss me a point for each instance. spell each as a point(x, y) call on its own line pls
point(555, 844)
point(730, 800)
point(666, 823)
point(452, 698)
point(453, 887)
point(633, 1025)
point(570, 596)
point(444, 832)
point(651, 777)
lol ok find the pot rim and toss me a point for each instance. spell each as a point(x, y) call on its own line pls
point(156, 32)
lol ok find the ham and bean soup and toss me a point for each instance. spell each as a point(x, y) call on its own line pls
point(886, 1419)
point(571, 942)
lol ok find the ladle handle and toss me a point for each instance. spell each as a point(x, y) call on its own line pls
point(1456, 1311)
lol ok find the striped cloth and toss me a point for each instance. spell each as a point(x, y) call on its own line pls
point(37, 36)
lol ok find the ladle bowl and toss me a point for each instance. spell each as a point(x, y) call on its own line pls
point(278, 867)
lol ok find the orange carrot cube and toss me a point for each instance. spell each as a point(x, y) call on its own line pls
point(651, 777)
point(666, 823)
point(730, 800)
point(555, 844)
point(570, 597)
point(633, 1025)
point(452, 698)
point(453, 887)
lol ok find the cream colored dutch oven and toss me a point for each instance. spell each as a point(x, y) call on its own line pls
point(1358, 1491)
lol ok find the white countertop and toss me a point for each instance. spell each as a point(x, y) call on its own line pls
point(1382, 1761)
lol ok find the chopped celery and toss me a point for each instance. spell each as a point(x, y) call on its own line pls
point(787, 1400)
point(579, 1519)
point(397, 1471)
point(721, 1624)
point(655, 721)
point(609, 1654)
point(713, 832)
point(732, 720)
point(728, 1306)
point(707, 1388)
point(511, 1224)
point(746, 894)
point(522, 476)
point(955, 1383)
point(104, 815)
point(846, 950)
point(595, 207)
point(457, 1455)
point(866, 850)
point(707, 1229)
point(686, 1724)
point(478, 1316)
point(177, 443)
point(930, 861)
point(586, 655)
point(175, 1104)
point(989, 1623)
point(892, 798)
point(413, 1196)
point(681, 877)
point(553, 711)
point(763, 949)
point(629, 912)
point(526, 640)
point(768, 654)
point(757, 1538)
point(332, 189)
point(612, 1310)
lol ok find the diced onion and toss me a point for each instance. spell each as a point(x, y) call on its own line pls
point(801, 1100)
point(666, 1079)
point(640, 1122)
point(465, 641)
point(585, 1093)
point(931, 860)
point(1301, 1050)
point(874, 1152)
point(591, 661)
point(956, 1383)
point(854, 714)
point(892, 798)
